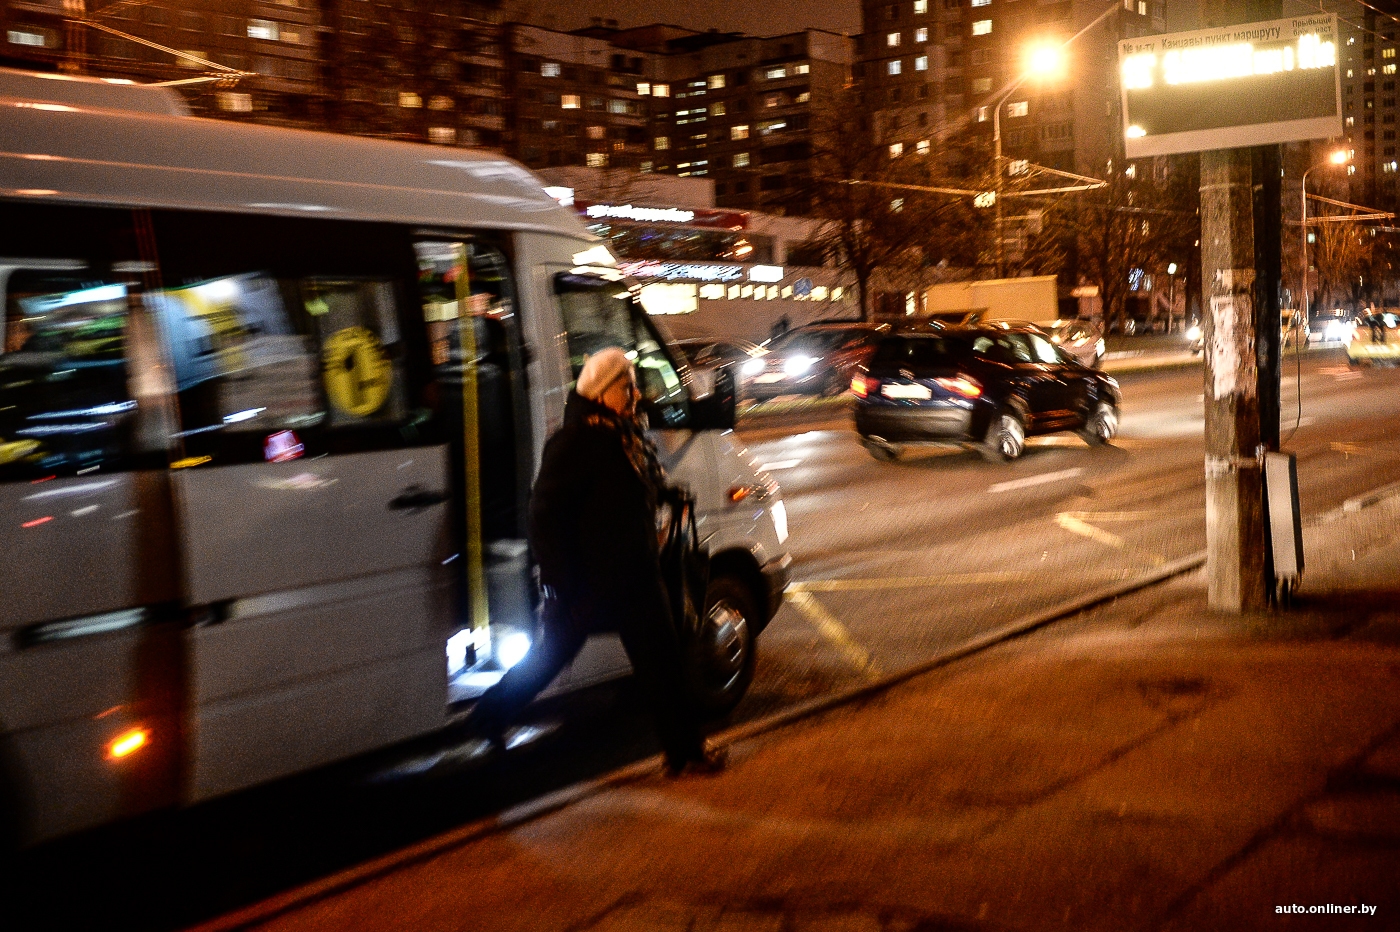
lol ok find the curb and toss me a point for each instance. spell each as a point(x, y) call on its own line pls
point(308, 894)
point(1370, 498)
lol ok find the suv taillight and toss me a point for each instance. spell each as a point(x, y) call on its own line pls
point(863, 385)
point(962, 385)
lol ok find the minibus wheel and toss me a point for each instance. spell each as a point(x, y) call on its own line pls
point(722, 660)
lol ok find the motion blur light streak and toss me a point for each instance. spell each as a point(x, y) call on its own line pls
point(38, 521)
point(127, 743)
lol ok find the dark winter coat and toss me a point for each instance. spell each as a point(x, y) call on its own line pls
point(593, 516)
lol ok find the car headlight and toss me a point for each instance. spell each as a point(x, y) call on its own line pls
point(1194, 333)
point(1333, 331)
point(753, 367)
point(798, 365)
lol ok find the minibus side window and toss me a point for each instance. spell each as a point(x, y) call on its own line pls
point(67, 402)
point(286, 337)
point(599, 313)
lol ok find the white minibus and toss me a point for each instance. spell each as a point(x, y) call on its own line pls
point(271, 403)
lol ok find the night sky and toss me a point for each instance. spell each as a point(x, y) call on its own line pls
point(755, 17)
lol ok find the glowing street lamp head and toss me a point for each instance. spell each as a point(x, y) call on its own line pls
point(1339, 157)
point(1045, 59)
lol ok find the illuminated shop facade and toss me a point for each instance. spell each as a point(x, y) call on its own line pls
point(710, 272)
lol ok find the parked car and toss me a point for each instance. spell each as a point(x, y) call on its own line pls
point(989, 387)
point(1082, 339)
point(1333, 328)
point(818, 359)
point(740, 358)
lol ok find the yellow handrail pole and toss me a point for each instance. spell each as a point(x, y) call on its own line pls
point(479, 604)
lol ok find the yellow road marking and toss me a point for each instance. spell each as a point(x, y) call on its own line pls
point(835, 632)
point(1116, 515)
point(904, 582)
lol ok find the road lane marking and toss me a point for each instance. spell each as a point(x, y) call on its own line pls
point(1036, 480)
point(1074, 525)
point(779, 464)
point(835, 632)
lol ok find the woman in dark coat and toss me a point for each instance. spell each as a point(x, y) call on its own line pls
point(594, 535)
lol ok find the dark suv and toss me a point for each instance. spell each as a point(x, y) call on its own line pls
point(818, 359)
point(989, 386)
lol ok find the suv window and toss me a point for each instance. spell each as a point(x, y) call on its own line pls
point(1044, 350)
point(918, 351)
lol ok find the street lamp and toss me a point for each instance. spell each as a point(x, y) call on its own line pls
point(1043, 60)
point(1336, 157)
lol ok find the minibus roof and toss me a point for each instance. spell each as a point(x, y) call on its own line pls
point(91, 92)
point(76, 151)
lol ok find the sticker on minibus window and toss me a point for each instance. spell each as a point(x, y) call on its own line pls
point(358, 377)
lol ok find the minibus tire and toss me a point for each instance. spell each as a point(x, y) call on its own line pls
point(722, 663)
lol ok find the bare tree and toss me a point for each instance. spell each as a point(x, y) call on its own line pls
point(890, 218)
point(1342, 256)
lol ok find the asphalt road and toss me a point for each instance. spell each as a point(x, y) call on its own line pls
point(894, 563)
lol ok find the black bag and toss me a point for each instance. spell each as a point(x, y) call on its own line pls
point(685, 567)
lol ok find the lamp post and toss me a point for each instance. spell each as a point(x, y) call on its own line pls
point(1336, 157)
point(1043, 60)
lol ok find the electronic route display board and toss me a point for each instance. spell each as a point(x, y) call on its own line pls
point(1231, 87)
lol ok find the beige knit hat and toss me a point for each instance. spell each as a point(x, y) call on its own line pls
point(601, 370)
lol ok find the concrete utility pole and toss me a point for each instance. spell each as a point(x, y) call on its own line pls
point(1240, 256)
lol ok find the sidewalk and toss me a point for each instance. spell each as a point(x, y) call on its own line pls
point(1146, 765)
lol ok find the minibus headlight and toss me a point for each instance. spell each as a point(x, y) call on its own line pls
point(753, 366)
point(512, 648)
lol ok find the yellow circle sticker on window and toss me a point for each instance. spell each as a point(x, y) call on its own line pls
point(356, 374)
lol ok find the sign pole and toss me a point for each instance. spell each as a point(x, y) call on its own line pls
point(1235, 525)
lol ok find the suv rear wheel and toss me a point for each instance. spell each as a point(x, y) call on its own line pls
point(1006, 438)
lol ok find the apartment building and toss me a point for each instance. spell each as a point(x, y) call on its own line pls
point(734, 109)
point(934, 70)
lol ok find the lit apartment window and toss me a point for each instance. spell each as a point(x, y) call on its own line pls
point(1387, 53)
point(984, 114)
point(410, 100)
point(661, 142)
point(892, 39)
point(440, 103)
point(739, 132)
point(661, 90)
point(981, 85)
point(717, 109)
point(1018, 108)
point(1351, 121)
point(1388, 69)
point(896, 150)
point(775, 74)
point(803, 97)
point(1142, 7)
point(921, 63)
point(549, 69)
point(981, 27)
point(922, 147)
point(716, 81)
point(894, 67)
point(802, 68)
point(597, 160)
point(643, 89)
point(920, 35)
point(570, 101)
point(234, 102)
point(1021, 166)
point(981, 2)
point(442, 135)
point(741, 159)
point(262, 29)
point(920, 6)
point(597, 132)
